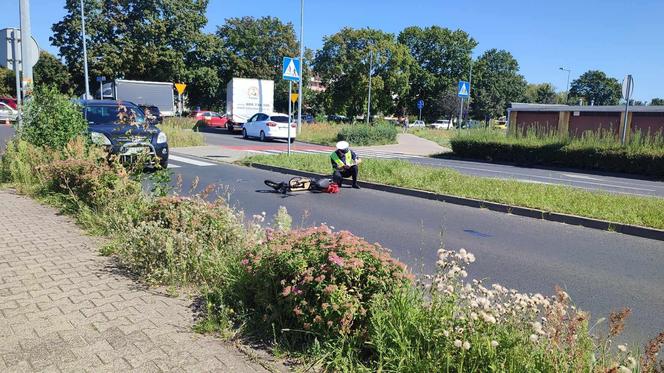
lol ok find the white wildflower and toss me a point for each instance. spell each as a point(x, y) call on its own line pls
point(631, 362)
point(622, 348)
point(457, 343)
point(463, 274)
point(473, 316)
point(624, 369)
point(533, 338)
point(466, 345)
point(494, 344)
point(446, 333)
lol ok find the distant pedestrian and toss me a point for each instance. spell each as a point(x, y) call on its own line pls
point(405, 124)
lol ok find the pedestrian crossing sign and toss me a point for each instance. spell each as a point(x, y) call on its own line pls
point(464, 89)
point(291, 69)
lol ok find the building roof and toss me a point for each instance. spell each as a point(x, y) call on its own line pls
point(592, 109)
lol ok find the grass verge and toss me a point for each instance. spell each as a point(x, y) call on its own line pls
point(357, 134)
point(625, 209)
point(440, 136)
point(180, 133)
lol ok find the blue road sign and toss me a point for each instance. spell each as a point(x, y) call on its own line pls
point(464, 89)
point(291, 69)
point(101, 79)
point(420, 104)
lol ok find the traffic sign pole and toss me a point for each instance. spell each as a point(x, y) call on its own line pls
point(628, 86)
point(460, 114)
point(18, 80)
point(290, 112)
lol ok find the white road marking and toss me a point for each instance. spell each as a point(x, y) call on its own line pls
point(581, 177)
point(173, 166)
point(190, 161)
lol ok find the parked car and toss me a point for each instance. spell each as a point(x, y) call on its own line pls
point(441, 124)
point(215, 120)
point(417, 124)
point(107, 128)
point(7, 113)
point(152, 114)
point(337, 118)
point(10, 101)
point(269, 126)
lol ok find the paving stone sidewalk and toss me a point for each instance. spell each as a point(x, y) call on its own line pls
point(65, 308)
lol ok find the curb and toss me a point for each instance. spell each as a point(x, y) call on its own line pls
point(631, 230)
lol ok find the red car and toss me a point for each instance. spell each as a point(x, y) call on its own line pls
point(9, 101)
point(198, 114)
point(215, 120)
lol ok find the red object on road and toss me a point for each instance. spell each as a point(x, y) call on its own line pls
point(9, 101)
point(332, 188)
point(215, 120)
point(198, 114)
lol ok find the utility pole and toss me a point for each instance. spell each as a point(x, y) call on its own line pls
point(370, 73)
point(85, 54)
point(26, 37)
point(299, 98)
point(18, 79)
point(569, 72)
point(470, 80)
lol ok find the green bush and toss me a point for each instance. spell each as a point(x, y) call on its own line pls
point(51, 119)
point(643, 155)
point(366, 135)
point(315, 282)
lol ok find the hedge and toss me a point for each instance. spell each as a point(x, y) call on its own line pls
point(561, 155)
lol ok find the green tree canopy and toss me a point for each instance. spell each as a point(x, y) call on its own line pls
point(496, 84)
point(595, 87)
point(131, 39)
point(442, 58)
point(254, 48)
point(343, 66)
point(543, 93)
point(657, 101)
point(7, 82)
point(50, 71)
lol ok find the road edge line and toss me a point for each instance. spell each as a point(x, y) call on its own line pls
point(627, 229)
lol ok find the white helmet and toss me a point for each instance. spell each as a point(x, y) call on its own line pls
point(342, 145)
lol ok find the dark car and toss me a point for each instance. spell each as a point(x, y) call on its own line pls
point(337, 118)
point(122, 128)
point(152, 114)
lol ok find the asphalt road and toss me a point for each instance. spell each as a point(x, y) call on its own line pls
point(611, 183)
point(602, 271)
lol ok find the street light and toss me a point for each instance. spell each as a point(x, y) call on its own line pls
point(370, 74)
point(85, 54)
point(569, 71)
point(299, 98)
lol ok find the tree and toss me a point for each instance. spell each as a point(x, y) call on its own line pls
point(543, 93)
point(132, 39)
point(442, 58)
point(7, 83)
point(595, 87)
point(657, 102)
point(496, 84)
point(343, 65)
point(50, 71)
point(254, 48)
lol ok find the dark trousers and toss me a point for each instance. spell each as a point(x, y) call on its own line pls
point(339, 175)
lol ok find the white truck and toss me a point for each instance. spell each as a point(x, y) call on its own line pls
point(159, 94)
point(246, 97)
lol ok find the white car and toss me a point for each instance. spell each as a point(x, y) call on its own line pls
point(441, 124)
point(269, 126)
point(417, 124)
point(7, 113)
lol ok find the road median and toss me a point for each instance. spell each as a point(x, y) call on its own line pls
point(631, 215)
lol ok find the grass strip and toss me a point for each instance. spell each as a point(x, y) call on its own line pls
point(180, 133)
point(625, 209)
point(440, 136)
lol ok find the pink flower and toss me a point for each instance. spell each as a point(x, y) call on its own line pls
point(245, 262)
point(335, 259)
point(287, 291)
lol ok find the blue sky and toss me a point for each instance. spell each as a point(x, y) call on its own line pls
point(618, 37)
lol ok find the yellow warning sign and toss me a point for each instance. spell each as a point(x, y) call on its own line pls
point(180, 87)
point(294, 96)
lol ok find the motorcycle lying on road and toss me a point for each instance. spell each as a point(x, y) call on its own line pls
point(301, 184)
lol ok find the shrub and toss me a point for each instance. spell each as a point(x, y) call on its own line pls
point(315, 282)
point(51, 119)
point(183, 241)
point(20, 163)
point(365, 135)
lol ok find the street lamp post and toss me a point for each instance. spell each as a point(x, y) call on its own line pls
point(299, 98)
point(26, 57)
point(370, 73)
point(85, 54)
point(569, 71)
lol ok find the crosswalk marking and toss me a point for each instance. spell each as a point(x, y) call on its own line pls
point(190, 161)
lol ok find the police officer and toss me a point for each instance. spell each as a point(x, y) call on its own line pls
point(344, 162)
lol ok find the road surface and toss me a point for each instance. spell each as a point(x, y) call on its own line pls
point(602, 271)
point(615, 184)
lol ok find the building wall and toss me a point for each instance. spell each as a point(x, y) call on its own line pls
point(652, 123)
point(546, 122)
point(592, 122)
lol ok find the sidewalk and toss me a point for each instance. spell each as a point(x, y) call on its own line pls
point(65, 308)
point(409, 144)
